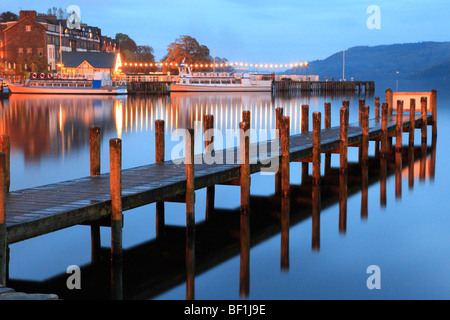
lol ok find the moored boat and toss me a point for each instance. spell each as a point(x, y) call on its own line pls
point(220, 81)
point(49, 83)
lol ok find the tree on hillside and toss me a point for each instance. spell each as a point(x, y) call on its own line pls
point(186, 48)
point(8, 16)
point(144, 53)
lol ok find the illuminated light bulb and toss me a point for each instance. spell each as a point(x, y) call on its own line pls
point(271, 65)
point(135, 64)
point(276, 66)
point(140, 64)
point(251, 64)
point(261, 65)
point(221, 64)
point(301, 64)
point(290, 65)
point(246, 64)
point(125, 64)
point(146, 64)
point(241, 64)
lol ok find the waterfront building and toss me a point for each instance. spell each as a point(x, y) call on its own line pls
point(46, 36)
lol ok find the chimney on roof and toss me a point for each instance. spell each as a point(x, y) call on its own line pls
point(29, 13)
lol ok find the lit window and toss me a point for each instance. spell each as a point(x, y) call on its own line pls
point(29, 51)
point(28, 28)
point(40, 52)
point(20, 52)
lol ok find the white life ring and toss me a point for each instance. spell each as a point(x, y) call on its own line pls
point(58, 75)
point(50, 75)
point(42, 75)
point(34, 75)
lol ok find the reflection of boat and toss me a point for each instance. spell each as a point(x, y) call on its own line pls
point(3, 88)
point(220, 81)
point(98, 83)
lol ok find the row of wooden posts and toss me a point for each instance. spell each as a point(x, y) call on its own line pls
point(282, 177)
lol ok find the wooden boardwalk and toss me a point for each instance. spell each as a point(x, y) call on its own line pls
point(35, 211)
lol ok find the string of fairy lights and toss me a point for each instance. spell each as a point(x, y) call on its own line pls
point(217, 65)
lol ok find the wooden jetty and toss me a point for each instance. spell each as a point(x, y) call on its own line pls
point(100, 199)
point(158, 265)
point(324, 86)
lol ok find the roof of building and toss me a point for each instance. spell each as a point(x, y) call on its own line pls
point(95, 59)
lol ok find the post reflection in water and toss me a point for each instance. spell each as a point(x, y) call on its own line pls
point(42, 124)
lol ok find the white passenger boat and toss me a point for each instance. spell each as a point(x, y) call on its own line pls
point(49, 83)
point(220, 81)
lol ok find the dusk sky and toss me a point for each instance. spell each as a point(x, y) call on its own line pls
point(262, 31)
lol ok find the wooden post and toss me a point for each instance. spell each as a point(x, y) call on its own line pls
point(244, 267)
point(3, 232)
point(362, 103)
point(285, 157)
point(209, 148)
point(365, 161)
point(190, 187)
point(389, 100)
point(159, 158)
point(433, 103)
point(383, 137)
point(343, 169)
point(190, 213)
point(365, 136)
point(377, 107)
point(94, 159)
point(278, 116)
point(327, 107)
point(327, 126)
point(115, 164)
point(5, 147)
point(244, 152)
point(304, 128)
point(383, 154)
point(316, 148)
point(399, 129)
point(423, 102)
point(94, 150)
point(412, 119)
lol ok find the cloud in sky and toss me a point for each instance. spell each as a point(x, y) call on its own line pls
point(261, 31)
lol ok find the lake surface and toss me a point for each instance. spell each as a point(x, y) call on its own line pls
point(407, 239)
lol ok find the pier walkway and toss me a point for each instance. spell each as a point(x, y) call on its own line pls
point(99, 199)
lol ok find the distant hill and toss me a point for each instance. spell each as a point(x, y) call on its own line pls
point(423, 60)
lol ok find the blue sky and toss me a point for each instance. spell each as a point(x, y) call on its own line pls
point(262, 31)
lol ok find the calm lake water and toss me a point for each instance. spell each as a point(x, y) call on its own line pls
point(407, 239)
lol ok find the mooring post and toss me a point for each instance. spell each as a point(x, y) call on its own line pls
point(399, 128)
point(115, 164)
point(285, 157)
point(190, 186)
point(377, 107)
point(190, 213)
point(383, 136)
point(383, 154)
point(327, 126)
point(343, 169)
point(159, 158)
point(315, 195)
point(433, 103)
point(278, 116)
point(365, 161)
point(389, 100)
point(94, 164)
point(3, 232)
point(209, 148)
point(94, 150)
point(5, 147)
point(244, 159)
point(304, 128)
point(316, 148)
point(412, 119)
point(398, 150)
point(423, 102)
